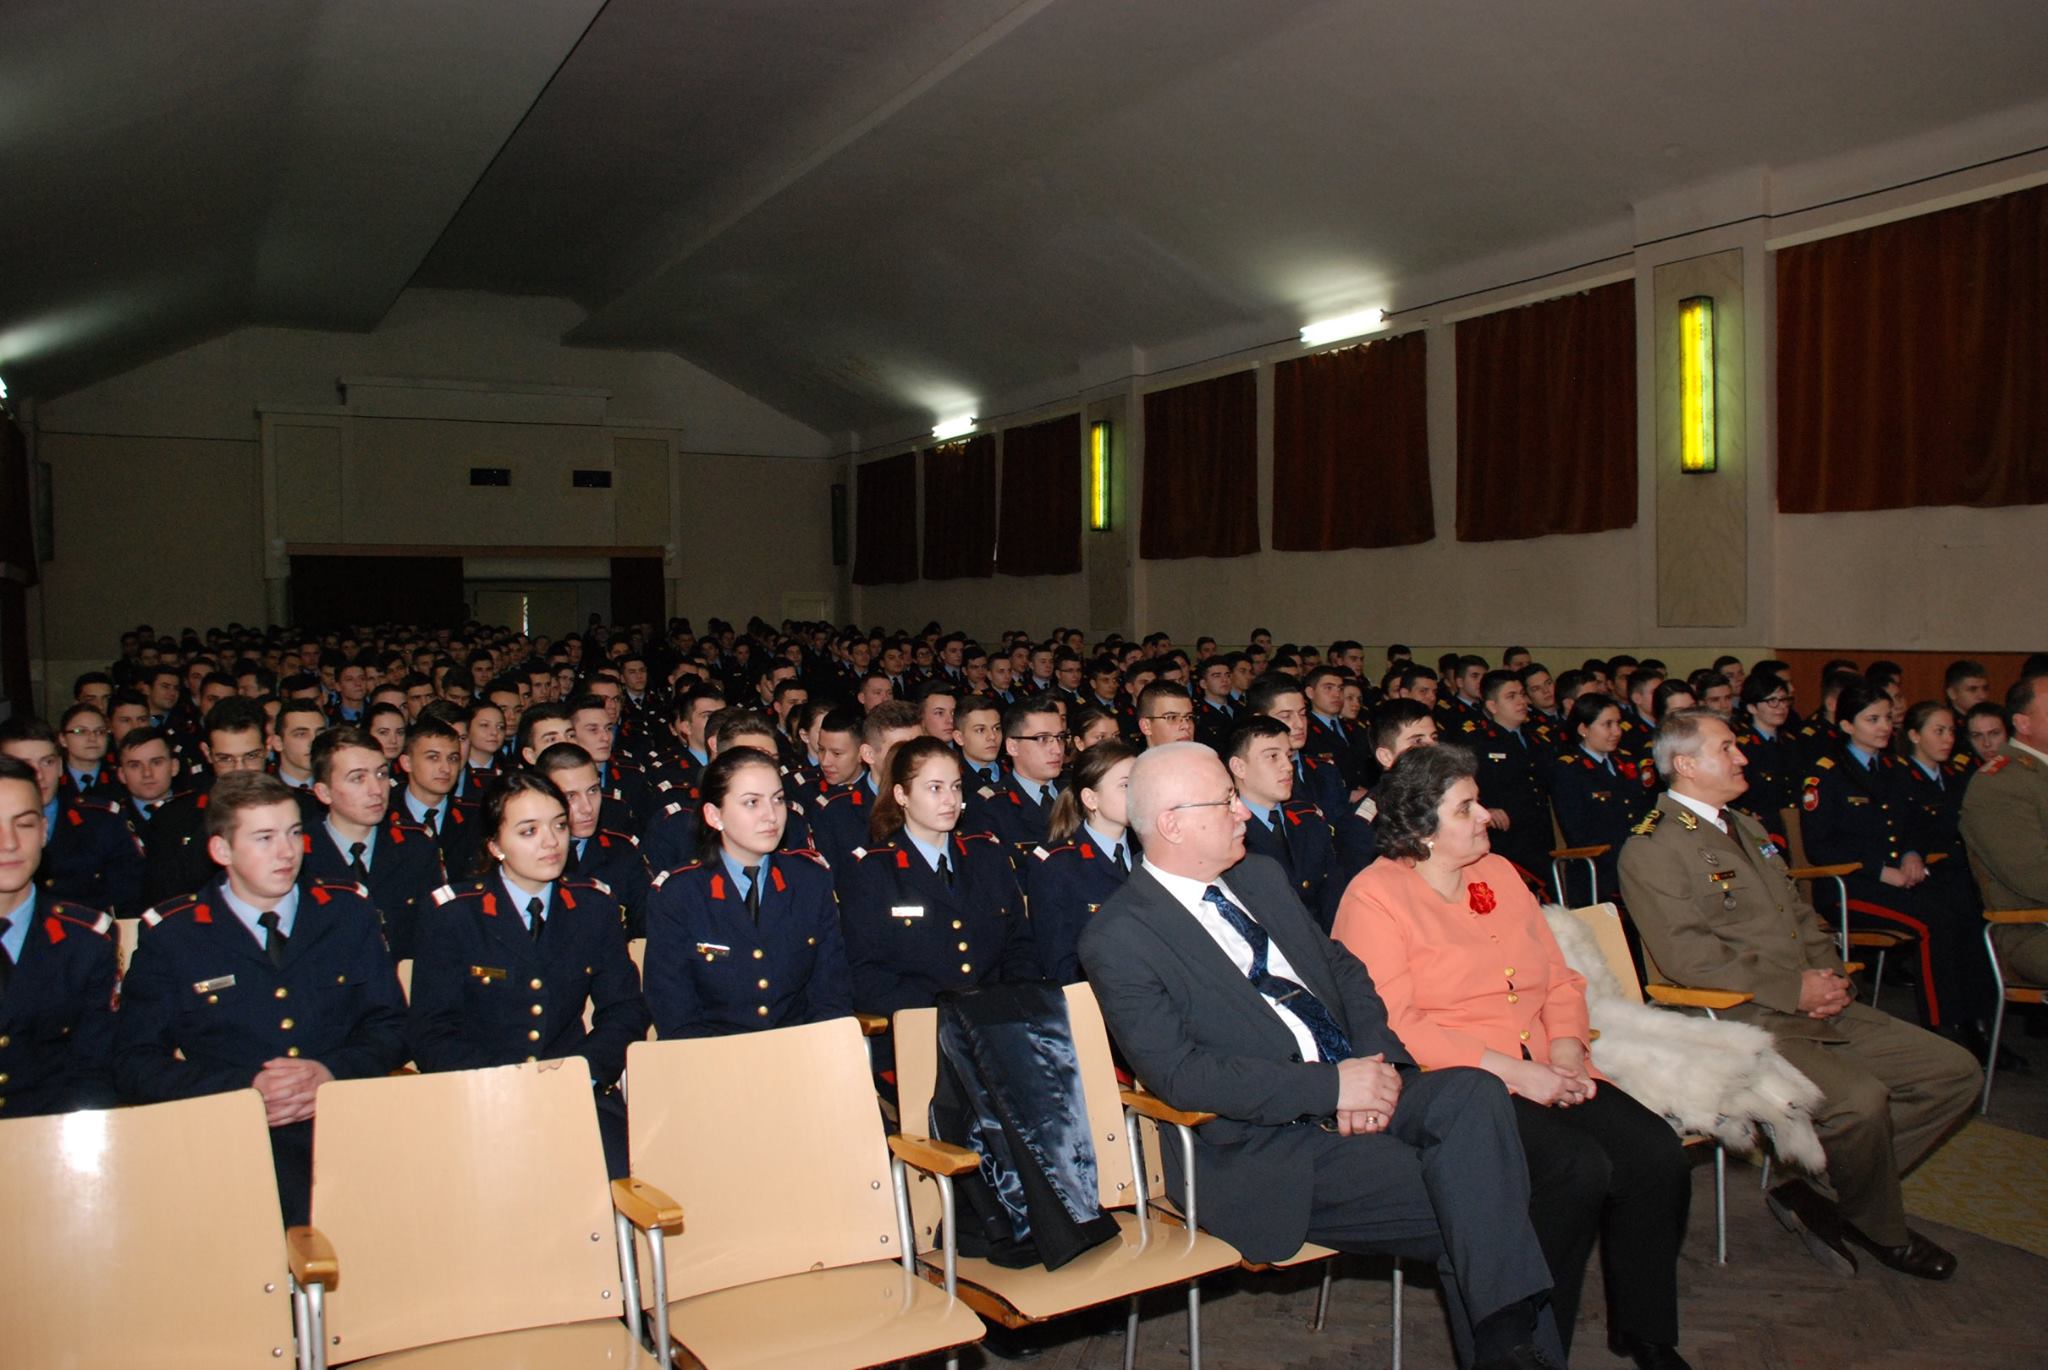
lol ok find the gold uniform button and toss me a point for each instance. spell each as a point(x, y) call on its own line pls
point(213, 998)
point(762, 1011)
point(758, 953)
point(531, 1059)
point(532, 1035)
point(291, 1051)
point(535, 1010)
point(963, 946)
point(966, 969)
point(810, 941)
point(1525, 1036)
point(956, 925)
point(1509, 972)
point(709, 957)
point(1514, 998)
point(3, 1077)
point(341, 979)
point(761, 984)
point(533, 984)
point(286, 1025)
point(6, 1041)
point(281, 993)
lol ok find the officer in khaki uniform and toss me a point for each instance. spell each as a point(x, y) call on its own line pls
point(1717, 909)
point(2005, 828)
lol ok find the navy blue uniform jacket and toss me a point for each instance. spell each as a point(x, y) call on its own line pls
point(94, 858)
point(908, 936)
point(1065, 885)
point(405, 869)
point(57, 1014)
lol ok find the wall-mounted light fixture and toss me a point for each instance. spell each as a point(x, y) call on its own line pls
point(1098, 475)
point(1696, 443)
point(954, 428)
point(1344, 326)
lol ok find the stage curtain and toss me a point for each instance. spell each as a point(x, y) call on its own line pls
point(885, 521)
point(1039, 528)
point(1913, 362)
point(1201, 486)
point(1547, 417)
point(960, 509)
point(1351, 448)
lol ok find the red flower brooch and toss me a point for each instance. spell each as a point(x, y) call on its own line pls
point(1482, 898)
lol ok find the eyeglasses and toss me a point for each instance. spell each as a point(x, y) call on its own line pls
point(1175, 719)
point(1225, 803)
point(85, 732)
point(1775, 699)
point(1042, 739)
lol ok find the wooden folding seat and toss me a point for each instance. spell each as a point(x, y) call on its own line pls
point(795, 1253)
point(143, 1237)
point(463, 1219)
point(1563, 853)
point(127, 931)
point(1153, 1251)
point(2008, 992)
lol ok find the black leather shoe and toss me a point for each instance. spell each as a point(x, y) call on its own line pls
point(1795, 1205)
point(1649, 1355)
point(1919, 1257)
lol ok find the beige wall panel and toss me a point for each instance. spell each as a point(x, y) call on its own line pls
point(308, 460)
point(408, 482)
point(1702, 519)
point(640, 491)
point(753, 530)
point(981, 607)
point(166, 531)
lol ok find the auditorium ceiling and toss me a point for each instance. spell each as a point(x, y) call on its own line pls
point(865, 212)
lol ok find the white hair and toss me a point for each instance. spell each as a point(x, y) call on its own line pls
point(1157, 783)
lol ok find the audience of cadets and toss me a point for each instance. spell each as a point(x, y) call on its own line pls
point(1598, 797)
point(746, 935)
point(1290, 829)
point(265, 977)
point(674, 838)
point(688, 754)
point(1279, 696)
point(978, 725)
point(591, 727)
point(429, 762)
point(82, 737)
point(844, 819)
point(1018, 810)
point(2005, 826)
point(1216, 708)
point(1330, 736)
point(230, 742)
point(1514, 774)
point(57, 972)
point(486, 755)
point(1985, 729)
point(91, 854)
point(1776, 761)
point(508, 963)
point(1859, 808)
point(361, 838)
point(926, 907)
point(1087, 853)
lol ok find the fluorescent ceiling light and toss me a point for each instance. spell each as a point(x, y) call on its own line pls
point(954, 428)
point(1344, 326)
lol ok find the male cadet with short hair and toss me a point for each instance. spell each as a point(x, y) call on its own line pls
point(1465, 699)
point(607, 855)
point(1290, 830)
point(1165, 714)
point(2005, 829)
point(1215, 708)
point(689, 716)
point(1330, 736)
point(1066, 674)
point(1731, 669)
point(1710, 894)
point(1515, 658)
point(1639, 715)
point(1002, 681)
point(1398, 727)
point(1546, 719)
point(1279, 695)
point(57, 972)
point(265, 978)
point(127, 710)
point(541, 726)
point(91, 853)
point(1965, 684)
point(363, 839)
point(1019, 810)
point(430, 763)
point(231, 742)
point(93, 687)
point(937, 699)
point(1514, 775)
point(874, 691)
point(978, 726)
point(82, 737)
point(841, 820)
point(626, 784)
point(351, 692)
point(1103, 676)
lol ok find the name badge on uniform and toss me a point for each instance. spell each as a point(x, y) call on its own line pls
point(1859, 799)
point(906, 910)
point(218, 982)
point(1718, 876)
point(487, 973)
point(1496, 756)
point(708, 950)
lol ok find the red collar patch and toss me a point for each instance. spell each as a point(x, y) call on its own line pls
point(568, 900)
point(902, 860)
point(490, 905)
point(54, 929)
point(775, 874)
point(320, 895)
point(1087, 852)
point(718, 887)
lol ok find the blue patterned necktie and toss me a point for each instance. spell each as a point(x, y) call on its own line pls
point(1331, 1043)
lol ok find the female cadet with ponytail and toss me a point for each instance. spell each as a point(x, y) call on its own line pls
point(1086, 856)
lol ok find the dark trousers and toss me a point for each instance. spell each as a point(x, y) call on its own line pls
point(1609, 1169)
point(291, 1156)
point(1444, 1183)
point(1955, 985)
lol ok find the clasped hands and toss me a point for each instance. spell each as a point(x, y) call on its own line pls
point(1367, 1091)
point(1824, 993)
point(287, 1084)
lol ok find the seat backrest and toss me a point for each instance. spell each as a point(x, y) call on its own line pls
point(127, 931)
point(461, 1204)
point(1795, 840)
point(1604, 922)
point(773, 1144)
point(405, 978)
point(917, 1055)
point(636, 947)
point(143, 1236)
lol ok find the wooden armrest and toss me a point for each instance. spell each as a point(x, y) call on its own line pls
point(1825, 872)
point(311, 1257)
point(1851, 967)
point(646, 1207)
point(934, 1157)
point(2010, 916)
point(1159, 1111)
point(1677, 997)
point(1592, 1036)
point(872, 1024)
point(1581, 853)
point(1935, 858)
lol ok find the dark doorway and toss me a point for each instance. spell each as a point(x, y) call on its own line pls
point(332, 591)
point(639, 594)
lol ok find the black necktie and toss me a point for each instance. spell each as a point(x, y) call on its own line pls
point(433, 829)
point(576, 853)
point(753, 874)
point(273, 937)
point(1331, 1043)
point(1121, 863)
point(945, 870)
point(533, 918)
point(355, 861)
point(1273, 820)
point(6, 961)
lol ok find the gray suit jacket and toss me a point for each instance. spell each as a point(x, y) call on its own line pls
point(1198, 1035)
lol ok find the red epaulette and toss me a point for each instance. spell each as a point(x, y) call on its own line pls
point(325, 890)
point(662, 877)
point(1994, 765)
point(184, 903)
point(811, 852)
point(605, 836)
point(63, 915)
point(889, 849)
point(1295, 808)
point(963, 838)
point(1047, 853)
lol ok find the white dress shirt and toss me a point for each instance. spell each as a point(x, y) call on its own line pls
point(1188, 894)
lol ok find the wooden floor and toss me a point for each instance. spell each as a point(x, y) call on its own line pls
point(1769, 1307)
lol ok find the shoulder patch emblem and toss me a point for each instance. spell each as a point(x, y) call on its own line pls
point(444, 894)
point(1994, 765)
point(1688, 820)
point(1826, 763)
point(1471, 726)
point(1040, 852)
point(1649, 823)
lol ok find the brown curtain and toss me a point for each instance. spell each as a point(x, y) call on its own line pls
point(1547, 417)
point(1201, 490)
point(1351, 448)
point(1913, 362)
point(1040, 529)
point(960, 509)
point(885, 521)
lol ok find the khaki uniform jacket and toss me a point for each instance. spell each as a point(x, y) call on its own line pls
point(2005, 828)
point(1721, 911)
